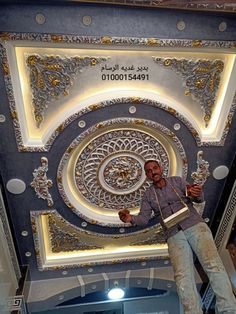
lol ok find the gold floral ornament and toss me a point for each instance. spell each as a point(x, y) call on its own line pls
point(135, 99)
point(201, 80)
point(152, 41)
point(167, 62)
point(57, 38)
point(5, 36)
point(51, 77)
point(40, 182)
point(94, 107)
point(6, 69)
point(197, 43)
point(106, 40)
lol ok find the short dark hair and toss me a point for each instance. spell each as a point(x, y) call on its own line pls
point(151, 160)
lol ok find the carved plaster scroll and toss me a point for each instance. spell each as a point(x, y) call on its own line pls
point(200, 176)
point(40, 182)
point(201, 80)
point(52, 77)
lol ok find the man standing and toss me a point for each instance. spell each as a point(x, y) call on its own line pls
point(166, 197)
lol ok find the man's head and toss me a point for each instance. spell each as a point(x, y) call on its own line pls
point(153, 170)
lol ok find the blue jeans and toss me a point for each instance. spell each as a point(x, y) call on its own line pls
point(199, 239)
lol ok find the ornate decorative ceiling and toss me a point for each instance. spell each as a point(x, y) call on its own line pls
point(82, 112)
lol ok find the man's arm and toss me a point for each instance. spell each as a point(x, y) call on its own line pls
point(143, 216)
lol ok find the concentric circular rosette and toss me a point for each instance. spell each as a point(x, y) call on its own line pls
point(102, 171)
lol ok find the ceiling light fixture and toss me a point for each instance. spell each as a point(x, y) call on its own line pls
point(116, 293)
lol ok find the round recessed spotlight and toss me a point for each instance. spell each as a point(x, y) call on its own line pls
point(132, 109)
point(16, 186)
point(90, 270)
point(87, 20)
point(84, 224)
point(220, 172)
point(40, 18)
point(222, 26)
point(116, 294)
point(24, 233)
point(28, 254)
point(64, 272)
point(176, 126)
point(181, 25)
point(81, 124)
point(2, 118)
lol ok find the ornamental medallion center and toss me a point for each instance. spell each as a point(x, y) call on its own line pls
point(122, 173)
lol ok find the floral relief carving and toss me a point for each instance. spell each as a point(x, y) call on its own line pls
point(202, 173)
point(40, 182)
point(52, 77)
point(64, 241)
point(201, 80)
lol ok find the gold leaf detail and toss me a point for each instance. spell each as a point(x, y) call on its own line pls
point(152, 41)
point(197, 43)
point(138, 121)
point(69, 149)
point(61, 128)
point(171, 110)
point(59, 179)
point(167, 62)
point(39, 119)
point(57, 38)
point(187, 93)
point(106, 40)
point(4, 36)
point(6, 69)
point(14, 115)
point(200, 84)
point(100, 125)
point(93, 107)
point(135, 99)
point(207, 118)
point(194, 133)
point(93, 62)
point(32, 60)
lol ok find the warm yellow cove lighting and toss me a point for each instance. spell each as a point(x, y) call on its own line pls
point(108, 253)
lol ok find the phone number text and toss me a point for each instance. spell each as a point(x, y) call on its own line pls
point(125, 77)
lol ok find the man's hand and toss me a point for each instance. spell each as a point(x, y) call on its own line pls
point(125, 215)
point(194, 190)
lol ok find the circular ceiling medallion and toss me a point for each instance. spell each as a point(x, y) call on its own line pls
point(121, 173)
point(102, 170)
point(220, 172)
point(16, 186)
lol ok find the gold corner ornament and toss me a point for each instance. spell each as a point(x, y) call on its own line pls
point(51, 77)
point(201, 79)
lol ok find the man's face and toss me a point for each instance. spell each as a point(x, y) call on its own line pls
point(153, 171)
